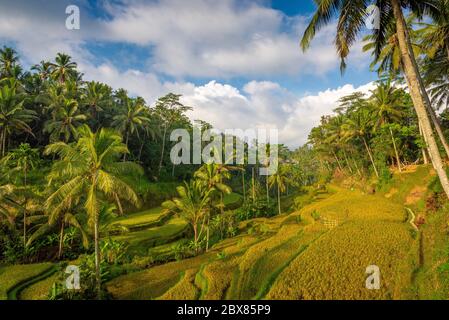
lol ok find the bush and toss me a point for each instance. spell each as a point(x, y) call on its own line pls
point(259, 208)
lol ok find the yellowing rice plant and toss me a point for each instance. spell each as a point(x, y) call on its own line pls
point(11, 276)
point(155, 281)
point(39, 290)
point(185, 289)
point(334, 266)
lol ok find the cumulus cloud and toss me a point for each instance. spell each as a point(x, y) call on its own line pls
point(266, 105)
point(194, 39)
point(197, 38)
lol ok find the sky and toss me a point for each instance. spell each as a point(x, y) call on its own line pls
point(236, 62)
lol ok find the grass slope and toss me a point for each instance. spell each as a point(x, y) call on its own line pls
point(13, 276)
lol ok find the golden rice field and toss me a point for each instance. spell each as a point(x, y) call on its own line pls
point(294, 256)
point(12, 276)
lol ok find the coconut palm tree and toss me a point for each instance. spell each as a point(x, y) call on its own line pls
point(96, 97)
point(8, 59)
point(22, 159)
point(212, 176)
point(193, 204)
point(13, 115)
point(43, 69)
point(280, 179)
point(63, 68)
point(131, 119)
point(65, 122)
point(351, 18)
point(91, 169)
point(387, 106)
point(358, 126)
point(390, 60)
point(434, 35)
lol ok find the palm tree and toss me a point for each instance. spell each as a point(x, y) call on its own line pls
point(60, 218)
point(387, 104)
point(193, 204)
point(434, 35)
point(63, 68)
point(390, 60)
point(43, 69)
point(351, 18)
point(97, 97)
point(212, 176)
point(22, 159)
point(358, 125)
point(280, 179)
point(65, 121)
point(13, 115)
point(8, 59)
point(131, 119)
point(91, 169)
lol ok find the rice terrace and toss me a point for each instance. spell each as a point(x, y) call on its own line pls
point(126, 173)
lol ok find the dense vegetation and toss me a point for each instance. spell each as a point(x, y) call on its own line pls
point(86, 179)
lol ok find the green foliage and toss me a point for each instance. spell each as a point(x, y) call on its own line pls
point(256, 209)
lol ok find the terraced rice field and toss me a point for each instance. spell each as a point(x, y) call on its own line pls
point(291, 256)
point(296, 256)
point(13, 276)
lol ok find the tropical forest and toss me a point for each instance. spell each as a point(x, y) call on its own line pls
point(92, 205)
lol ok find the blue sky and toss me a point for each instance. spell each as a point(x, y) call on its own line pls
point(237, 62)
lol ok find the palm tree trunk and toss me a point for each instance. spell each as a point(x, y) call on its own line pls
point(119, 204)
point(347, 161)
point(4, 143)
point(338, 161)
point(24, 227)
point(162, 150)
point(423, 150)
point(61, 241)
point(370, 157)
point(207, 235)
point(412, 74)
point(140, 150)
point(253, 185)
point(195, 236)
point(396, 150)
point(279, 200)
point(97, 257)
point(268, 192)
point(243, 185)
point(126, 142)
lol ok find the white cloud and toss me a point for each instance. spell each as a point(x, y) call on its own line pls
point(198, 38)
point(266, 105)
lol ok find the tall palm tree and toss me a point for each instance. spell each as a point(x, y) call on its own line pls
point(97, 97)
point(387, 106)
point(358, 125)
point(193, 204)
point(390, 60)
point(351, 18)
point(22, 159)
point(43, 69)
point(435, 34)
point(91, 169)
point(63, 68)
point(131, 119)
point(8, 59)
point(212, 176)
point(65, 121)
point(13, 115)
point(280, 179)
